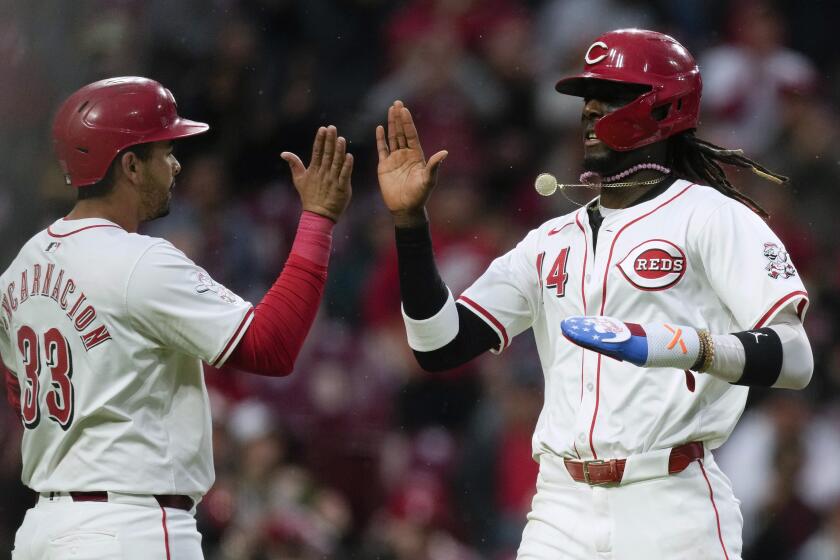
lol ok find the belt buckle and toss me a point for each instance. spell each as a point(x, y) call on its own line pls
point(586, 478)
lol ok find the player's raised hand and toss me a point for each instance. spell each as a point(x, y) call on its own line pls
point(406, 179)
point(324, 186)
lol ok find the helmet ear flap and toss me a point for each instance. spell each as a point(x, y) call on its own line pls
point(631, 126)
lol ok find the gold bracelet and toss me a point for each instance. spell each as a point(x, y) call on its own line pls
point(701, 354)
point(708, 350)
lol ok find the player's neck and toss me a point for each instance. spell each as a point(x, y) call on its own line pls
point(624, 197)
point(122, 206)
point(105, 209)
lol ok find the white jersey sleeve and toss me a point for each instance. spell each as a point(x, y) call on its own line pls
point(178, 305)
point(747, 266)
point(507, 295)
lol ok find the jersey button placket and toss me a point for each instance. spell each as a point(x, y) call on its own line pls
point(589, 360)
point(587, 418)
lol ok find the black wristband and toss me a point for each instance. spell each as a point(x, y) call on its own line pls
point(421, 288)
point(763, 353)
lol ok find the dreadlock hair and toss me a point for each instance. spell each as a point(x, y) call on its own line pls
point(700, 161)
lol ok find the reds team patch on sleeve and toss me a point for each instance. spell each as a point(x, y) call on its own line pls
point(779, 265)
point(656, 264)
point(205, 284)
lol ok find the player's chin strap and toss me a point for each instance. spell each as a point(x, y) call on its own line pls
point(546, 184)
point(775, 356)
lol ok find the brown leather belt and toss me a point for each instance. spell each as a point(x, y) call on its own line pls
point(175, 501)
point(596, 473)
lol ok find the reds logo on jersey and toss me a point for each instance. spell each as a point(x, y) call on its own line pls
point(206, 284)
point(654, 265)
point(779, 265)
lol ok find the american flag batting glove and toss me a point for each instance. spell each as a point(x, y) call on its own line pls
point(648, 345)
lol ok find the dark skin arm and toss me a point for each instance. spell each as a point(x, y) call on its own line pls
point(406, 181)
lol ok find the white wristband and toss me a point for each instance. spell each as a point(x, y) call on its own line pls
point(425, 335)
point(671, 345)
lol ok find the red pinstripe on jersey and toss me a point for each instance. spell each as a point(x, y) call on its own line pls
point(585, 258)
point(583, 299)
point(714, 506)
point(555, 231)
point(165, 532)
point(489, 316)
point(237, 334)
point(778, 305)
point(59, 235)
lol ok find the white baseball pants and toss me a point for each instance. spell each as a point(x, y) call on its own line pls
point(62, 529)
point(692, 514)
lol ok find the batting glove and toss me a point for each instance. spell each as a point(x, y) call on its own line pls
point(648, 345)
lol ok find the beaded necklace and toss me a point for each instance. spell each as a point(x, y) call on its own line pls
point(546, 184)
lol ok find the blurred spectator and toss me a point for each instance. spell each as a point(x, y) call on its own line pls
point(565, 28)
point(807, 148)
point(497, 472)
point(743, 81)
point(825, 544)
point(776, 460)
point(417, 520)
point(277, 510)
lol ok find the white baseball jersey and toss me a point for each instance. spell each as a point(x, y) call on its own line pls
point(106, 331)
point(691, 256)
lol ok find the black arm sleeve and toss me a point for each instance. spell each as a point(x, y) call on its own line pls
point(421, 287)
point(423, 295)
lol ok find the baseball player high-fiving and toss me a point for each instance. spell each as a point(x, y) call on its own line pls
point(104, 332)
point(654, 308)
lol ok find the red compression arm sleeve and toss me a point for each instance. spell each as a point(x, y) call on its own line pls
point(282, 319)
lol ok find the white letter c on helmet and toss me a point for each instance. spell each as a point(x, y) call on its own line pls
point(588, 57)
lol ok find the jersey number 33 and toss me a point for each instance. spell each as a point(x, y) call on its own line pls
point(58, 360)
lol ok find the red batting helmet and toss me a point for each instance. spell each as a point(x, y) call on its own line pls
point(107, 116)
point(645, 58)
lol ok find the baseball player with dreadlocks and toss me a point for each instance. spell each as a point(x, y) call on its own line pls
point(105, 331)
point(655, 307)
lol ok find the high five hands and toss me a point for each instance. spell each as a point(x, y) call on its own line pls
point(406, 179)
point(324, 186)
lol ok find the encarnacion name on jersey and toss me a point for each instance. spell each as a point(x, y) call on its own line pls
point(37, 282)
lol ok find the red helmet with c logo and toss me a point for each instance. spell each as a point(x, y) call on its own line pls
point(102, 118)
point(644, 58)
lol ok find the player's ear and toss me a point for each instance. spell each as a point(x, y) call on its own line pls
point(129, 164)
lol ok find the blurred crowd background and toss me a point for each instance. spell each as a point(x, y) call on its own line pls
point(359, 454)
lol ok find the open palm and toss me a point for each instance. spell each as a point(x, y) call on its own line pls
point(406, 179)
